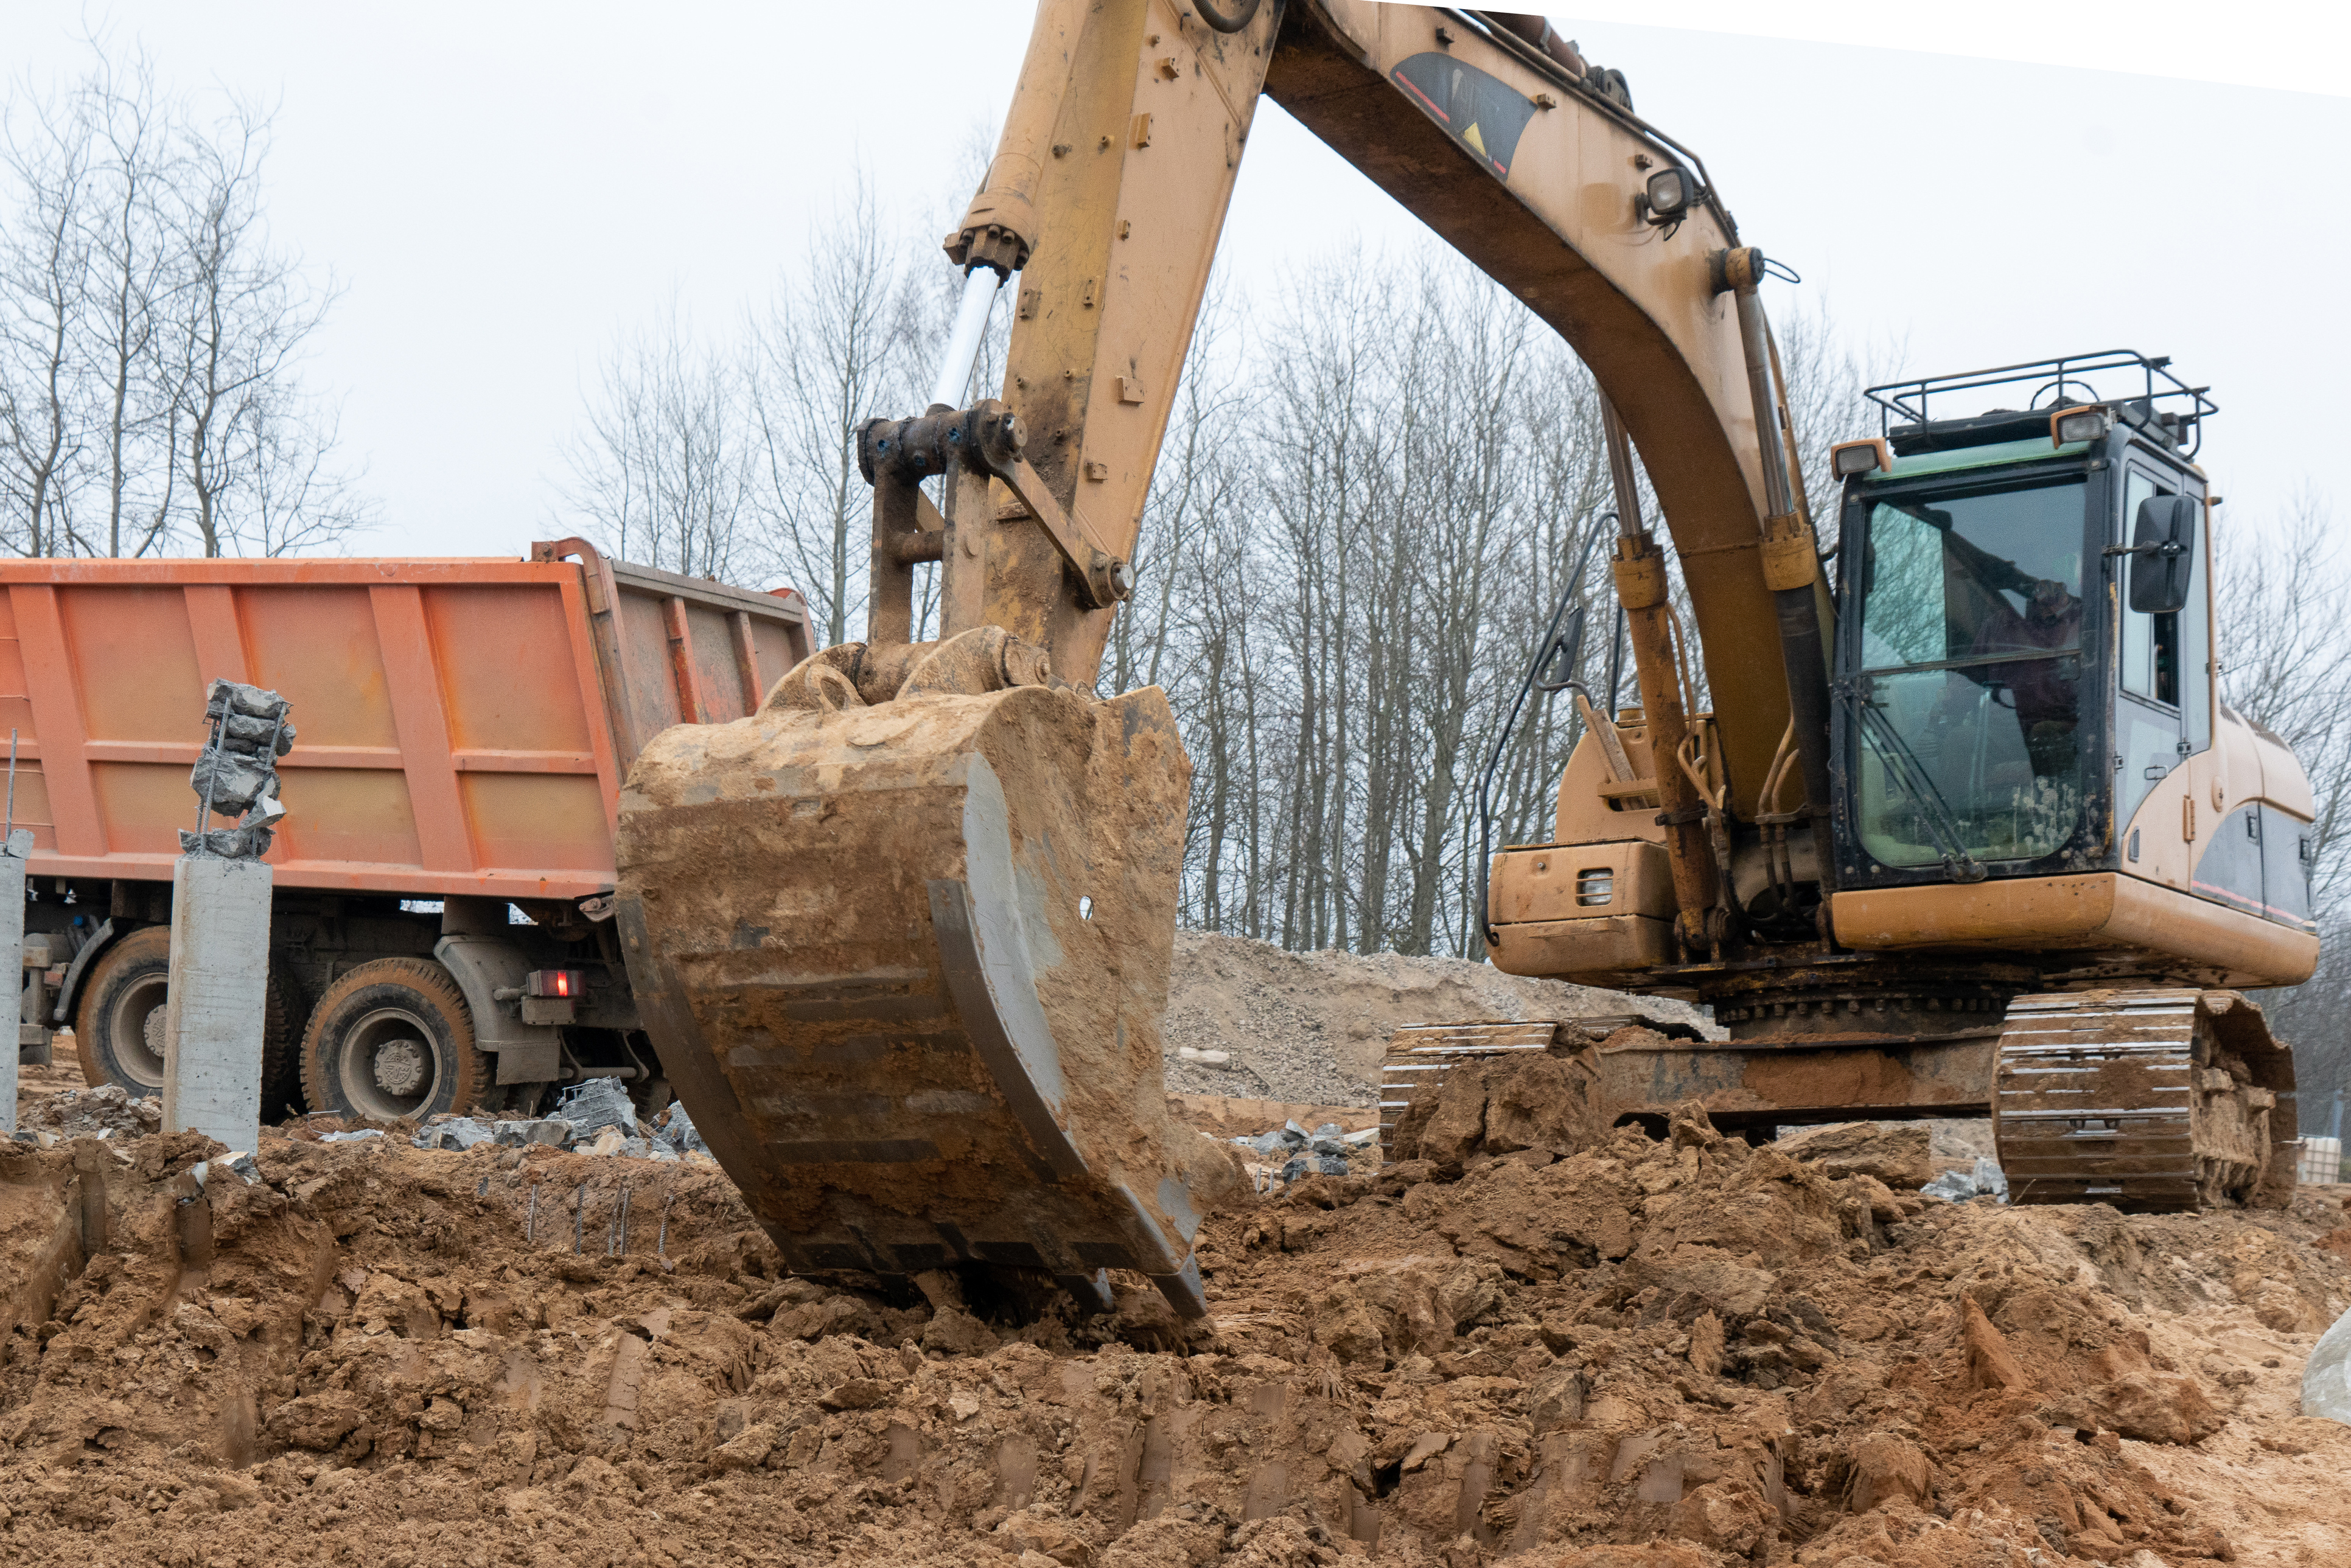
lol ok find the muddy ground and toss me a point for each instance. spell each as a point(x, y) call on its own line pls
point(1676, 1355)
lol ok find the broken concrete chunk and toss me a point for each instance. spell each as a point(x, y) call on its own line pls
point(544, 1130)
point(1313, 1165)
point(2326, 1377)
point(450, 1133)
point(678, 1131)
point(598, 1103)
point(1959, 1187)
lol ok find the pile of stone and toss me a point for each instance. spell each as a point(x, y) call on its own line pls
point(1959, 1187)
point(105, 1112)
point(1324, 1151)
point(596, 1117)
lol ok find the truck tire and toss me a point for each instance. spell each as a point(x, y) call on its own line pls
point(286, 1013)
point(119, 1028)
point(393, 1040)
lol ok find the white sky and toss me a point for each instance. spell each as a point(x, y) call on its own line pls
point(504, 191)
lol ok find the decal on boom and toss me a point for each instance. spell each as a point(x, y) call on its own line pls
point(1485, 114)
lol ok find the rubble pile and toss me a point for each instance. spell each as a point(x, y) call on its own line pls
point(1623, 1352)
point(596, 1117)
point(1325, 1151)
point(105, 1112)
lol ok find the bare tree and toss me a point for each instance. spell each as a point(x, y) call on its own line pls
point(44, 282)
point(151, 336)
point(241, 318)
point(133, 284)
point(2285, 656)
point(835, 347)
point(664, 470)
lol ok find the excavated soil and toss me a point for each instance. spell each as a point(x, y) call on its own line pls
point(1311, 1027)
point(1676, 1355)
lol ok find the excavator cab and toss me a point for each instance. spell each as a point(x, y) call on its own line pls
point(2025, 672)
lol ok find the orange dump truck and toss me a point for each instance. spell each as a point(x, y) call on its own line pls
point(442, 937)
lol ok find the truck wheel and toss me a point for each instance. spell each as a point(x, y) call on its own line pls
point(393, 1040)
point(281, 1045)
point(119, 1028)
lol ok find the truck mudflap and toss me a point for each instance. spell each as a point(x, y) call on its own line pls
point(905, 963)
point(2148, 1100)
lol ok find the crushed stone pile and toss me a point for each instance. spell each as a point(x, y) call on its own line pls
point(1627, 1353)
point(1311, 1027)
point(595, 1117)
point(105, 1112)
point(1328, 1150)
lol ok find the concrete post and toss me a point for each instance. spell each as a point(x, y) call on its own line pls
point(219, 985)
point(13, 852)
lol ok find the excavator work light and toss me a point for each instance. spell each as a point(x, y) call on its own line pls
point(2068, 426)
point(1848, 458)
point(1668, 197)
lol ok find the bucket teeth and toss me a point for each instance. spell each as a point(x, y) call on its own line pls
point(905, 965)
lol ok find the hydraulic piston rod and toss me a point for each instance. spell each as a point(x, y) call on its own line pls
point(979, 286)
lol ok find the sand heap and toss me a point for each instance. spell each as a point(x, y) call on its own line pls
point(1310, 1027)
point(1676, 1355)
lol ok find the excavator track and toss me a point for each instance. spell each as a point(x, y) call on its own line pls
point(904, 963)
point(2157, 1100)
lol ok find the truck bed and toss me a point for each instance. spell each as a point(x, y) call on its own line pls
point(464, 724)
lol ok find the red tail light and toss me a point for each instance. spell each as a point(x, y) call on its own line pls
point(555, 983)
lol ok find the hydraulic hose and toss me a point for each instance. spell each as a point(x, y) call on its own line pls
point(1225, 21)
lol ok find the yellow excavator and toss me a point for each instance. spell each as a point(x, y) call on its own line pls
point(1963, 830)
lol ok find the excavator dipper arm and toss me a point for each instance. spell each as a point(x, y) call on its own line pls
point(903, 937)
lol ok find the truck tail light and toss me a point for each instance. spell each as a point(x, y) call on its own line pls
point(556, 983)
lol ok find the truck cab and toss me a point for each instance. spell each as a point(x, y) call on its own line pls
point(2028, 748)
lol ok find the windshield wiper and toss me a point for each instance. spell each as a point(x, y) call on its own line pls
point(1977, 661)
point(1917, 785)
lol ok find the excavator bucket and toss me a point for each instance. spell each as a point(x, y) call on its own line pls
point(905, 964)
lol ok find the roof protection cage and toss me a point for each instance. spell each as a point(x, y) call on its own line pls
point(2061, 383)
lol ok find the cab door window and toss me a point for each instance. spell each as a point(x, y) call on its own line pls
point(2163, 710)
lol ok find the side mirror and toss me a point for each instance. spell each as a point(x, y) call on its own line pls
point(2163, 554)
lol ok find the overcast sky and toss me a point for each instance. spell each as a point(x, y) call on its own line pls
point(504, 191)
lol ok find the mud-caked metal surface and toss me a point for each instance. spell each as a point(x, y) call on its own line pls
point(905, 965)
point(2147, 1100)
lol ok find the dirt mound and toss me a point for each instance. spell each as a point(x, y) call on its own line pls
point(1311, 1026)
point(1676, 1355)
